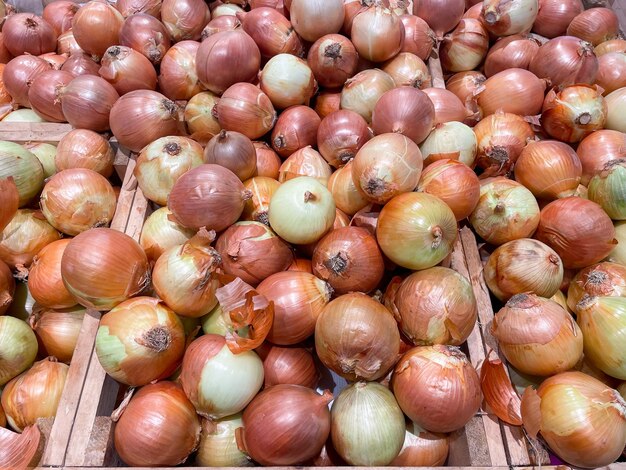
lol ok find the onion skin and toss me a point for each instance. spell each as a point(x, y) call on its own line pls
point(26, 33)
point(554, 16)
point(127, 70)
point(515, 91)
point(234, 151)
point(147, 35)
point(504, 18)
point(44, 278)
point(357, 337)
point(565, 60)
point(598, 280)
point(43, 95)
point(340, 135)
point(597, 149)
point(58, 330)
point(218, 445)
point(172, 427)
point(290, 410)
point(464, 85)
point(465, 47)
point(361, 92)
point(590, 242)
point(83, 148)
point(419, 39)
point(7, 287)
point(515, 51)
point(441, 16)
point(422, 448)
point(295, 128)
point(595, 25)
point(416, 384)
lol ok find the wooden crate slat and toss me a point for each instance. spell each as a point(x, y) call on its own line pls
point(22, 132)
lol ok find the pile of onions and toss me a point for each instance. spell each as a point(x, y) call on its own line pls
point(57, 330)
point(20, 351)
point(83, 148)
point(44, 278)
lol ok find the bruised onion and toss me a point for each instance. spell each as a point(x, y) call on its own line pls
point(333, 60)
point(234, 151)
point(565, 60)
point(147, 35)
point(340, 135)
point(184, 19)
point(271, 31)
point(295, 128)
point(43, 94)
point(26, 33)
point(127, 70)
point(87, 102)
point(96, 27)
point(82, 148)
point(245, 108)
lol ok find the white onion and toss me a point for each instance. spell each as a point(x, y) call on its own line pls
point(616, 104)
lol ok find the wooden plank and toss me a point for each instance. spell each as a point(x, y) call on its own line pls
point(22, 132)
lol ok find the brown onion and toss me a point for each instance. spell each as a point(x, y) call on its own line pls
point(177, 78)
point(58, 330)
point(234, 151)
point(262, 189)
point(26, 33)
point(201, 123)
point(357, 337)
point(377, 34)
point(515, 51)
point(293, 366)
point(7, 287)
point(43, 94)
point(127, 70)
point(447, 106)
point(271, 31)
point(361, 92)
point(340, 136)
point(611, 71)
point(142, 116)
point(82, 148)
point(80, 63)
point(348, 198)
point(313, 19)
point(147, 35)
point(333, 60)
point(419, 39)
point(565, 60)
point(465, 47)
point(184, 19)
point(554, 16)
point(416, 383)
point(219, 24)
point(599, 148)
point(454, 183)
point(595, 25)
point(514, 90)
point(59, 15)
point(295, 128)
point(87, 102)
point(550, 169)
point(407, 69)
point(305, 162)
point(578, 230)
point(441, 15)
point(96, 27)
point(131, 7)
point(245, 108)
point(504, 18)
point(159, 233)
point(66, 43)
point(18, 75)
point(598, 280)
point(218, 198)
point(327, 101)
point(465, 86)
point(227, 58)
point(267, 161)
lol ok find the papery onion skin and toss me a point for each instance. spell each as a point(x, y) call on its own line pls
point(340, 135)
point(515, 91)
point(565, 60)
point(515, 51)
point(357, 337)
point(245, 108)
point(125, 268)
point(19, 72)
point(595, 25)
point(333, 60)
point(43, 95)
point(416, 230)
point(218, 445)
point(87, 102)
point(7, 287)
point(450, 141)
point(464, 85)
point(185, 20)
point(271, 31)
point(419, 39)
point(523, 265)
point(554, 16)
point(151, 336)
point(616, 102)
point(18, 347)
point(96, 27)
point(578, 230)
point(234, 151)
point(377, 34)
point(416, 384)
point(422, 448)
point(305, 162)
point(348, 198)
point(295, 128)
point(293, 366)
point(147, 35)
point(44, 278)
point(262, 189)
point(208, 365)
point(83, 148)
point(24, 169)
point(605, 279)
point(160, 233)
point(465, 47)
point(608, 190)
point(506, 18)
point(172, 427)
point(441, 16)
point(361, 92)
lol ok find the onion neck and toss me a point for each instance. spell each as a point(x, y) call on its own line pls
point(337, 263)
point(31, 23)
point(157, 338)
point(333, 51)
point(172, 148)
point(437, 234)
point(309, 196)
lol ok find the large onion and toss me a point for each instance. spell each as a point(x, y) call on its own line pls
point(441, 15)
point(87, 102)
point(514, 90)
point(25, 33)
point(96, 27)
point(26, 172)
point(565, 60)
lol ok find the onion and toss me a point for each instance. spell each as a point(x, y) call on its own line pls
point(454, 183)
point(521, 266)
point(24, 236)
point(506, 211)
point(578, 230)
point(267, 161)
point(220, 8)
point(606, 189)
point(367, 425)
point(441, 15)
point(96, 27)
point(287, 80)
point(313, 19)
point(82, 148)
point(245, 108)
point(219, 24)
point(348, 198)
point(565, 60)
point(34, 394)
point(357, 337)
point(301, 264)
point(293, 366)
point(185, 19)
point(297, 413)
point(218, 382)
point(7, 287)
point(514, 90)
point(131, 7)
point(252, 252)
point(447, 106)
point(234, 54)
point(57, 330)
point(201, 123)
point(147, 35)
point(416, 383)
point(419, 39)
point(299, 298)
point(361, 92)
point(340, 136)
point(333, 60)
point(80, 63)
point(501, 138)
point(217, 202)
point(43, 94)
point(295, 128)
point(305, 162)
point(465, 85)
point(466, 47)
point(504, 18)
point(611, 71)
point(601, 280)
point(127, 70)
point(87, 102)
point(377, 34)
point(406, 111)
point(140, 341)
point(19, 348)
point(387, 165)
point(550, 169)
point(554, 16)
point(422, 448)
point(172, 427)
point(407, 69)
point(590, 430)
point(66, 43)
point(26, 33)
point(614, 45)
point(218, 445)
point(302, 210)
point(515, 51)
point(271, 31)
point(616, 102)
point(19, 73)
point(595, 25)
point(102, 267)
point(450, 141)
point(44, 279)
point(234, 151)
point(59, 15)
point(617, 255)
point(178, 79)
point(435, 306)
point(262, 189)
point(26, 172)
point(45, 153)
point(159, 233)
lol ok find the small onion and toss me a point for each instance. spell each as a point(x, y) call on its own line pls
point(554, 16)
point(96, 27)
point(295, 128)
point(82, 148)
point(465, 47)
point(270, 30)
point(58, 330)
point(185, 19)
point(245, 108)
point(616, 103)
point(305, 162)
point(595, 25)
point(288, 81)
point(234, 151)
point(598, 280)
point(198, 114)
point(419, 39)
point(127, 70)
point(293, 366)
point(450, 141)
point(327, 101)
point(504, 18)
point(361, 92)
point(18, 347)
point(312, 19)
point(340, 136)
point(46, 154)
point(24, 169)
point(514, 90)
point(262, 189)
point(159, 233)
point(87, 102)
point(377, 34)
point(147, 35)
point(333, 60)
point(607, 189)
point(19, 73)
point(515, 51)
point(43, 94)
point(441, 15)
point(565, 60)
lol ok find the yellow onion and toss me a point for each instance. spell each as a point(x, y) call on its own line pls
point(293, 366)
point(416, 230)
point(26, 234)
point(616, 104)
point(198, 114)
point(607, 189)
point(24, 168)
point(245, 108)
point(218, 446)
point(348, 197)
point(287, 80)
point(367, 425)
point(504, 18)
point(357, 337)
point(44, 278)
point(422, 448)
point(172, 428)
point(58, 330)
point(305, 162)
point(448, 106)
point(377, 33)
point(465, 47)
point(218, 382)
point(408, 69)
point(598, 280)
point(102, 267)
point(515, 51)
point(185, 276)
point(139, 341)
point(514, 90)
point(83, 148)
point(361, 92)
point(262, 189)
point(46, 154)
point(506, 211)
point(267, 160)
point(18, 347)
point(595, 25)
point(34, 394)
point(537, 336)
point(464, 85)
point(613, 45)
point(76, 200)
point(450, 141)
point(9, 201)
point(581, 419)
point(523, 265)
point(618, 255)
point(7, 287)
point(160, 233)
point(416, 383)
point(435, 306)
